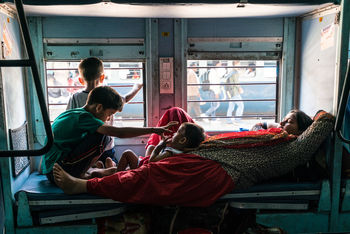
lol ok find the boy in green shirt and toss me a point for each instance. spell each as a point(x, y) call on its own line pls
point(91, 75)
point(81, 135)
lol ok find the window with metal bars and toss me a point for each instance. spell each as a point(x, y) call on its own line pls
point(225, 95)
point(63, 81)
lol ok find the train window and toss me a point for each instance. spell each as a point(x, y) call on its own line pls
point(231, 94)
point(63, 82)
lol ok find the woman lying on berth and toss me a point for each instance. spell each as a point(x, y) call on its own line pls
point(222, 163)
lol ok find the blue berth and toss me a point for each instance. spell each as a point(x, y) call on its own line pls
point(40, 202)
point(38, 195)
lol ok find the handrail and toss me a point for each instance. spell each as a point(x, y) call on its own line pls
point(342, 106)
point(29, 63)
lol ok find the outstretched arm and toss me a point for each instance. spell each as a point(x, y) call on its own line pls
point(263, 125)
point(311, 138)
point(133, 92)
point(133, 132)
point(129, 131)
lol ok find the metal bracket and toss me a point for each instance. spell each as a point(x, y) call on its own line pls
point(324, 203)
point(24, 218)
point(345, 205)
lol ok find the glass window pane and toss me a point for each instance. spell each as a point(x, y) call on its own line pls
point(63, 81)
point(121, 71)
point(59, 95)
point(56, 110)
point(226, 94)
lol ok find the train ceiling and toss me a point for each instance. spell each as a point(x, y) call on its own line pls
point(173, 9)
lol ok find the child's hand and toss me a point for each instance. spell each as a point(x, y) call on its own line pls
point(161, 130)
point(138, 86)
point(165, 129)
point(165, 141)
point(170, 124)
point(257, 127)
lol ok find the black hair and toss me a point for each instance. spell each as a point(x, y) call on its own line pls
point(194, 134)
point(108, 97)
point(303, 120)
point(91, 68)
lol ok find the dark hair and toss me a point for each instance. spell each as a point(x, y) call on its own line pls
point(194, 134)
point(108, 97)
point(303, 120)
point(91, 68)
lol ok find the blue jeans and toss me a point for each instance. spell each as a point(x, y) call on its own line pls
point(210, 95)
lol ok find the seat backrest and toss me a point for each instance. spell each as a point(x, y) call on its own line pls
point(19, 141)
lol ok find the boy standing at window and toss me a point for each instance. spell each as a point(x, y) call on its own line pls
point(80, 135)
point(91, 75)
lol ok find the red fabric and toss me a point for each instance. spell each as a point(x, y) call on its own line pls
point(232, 135)
point(173, 114)
point(248, 139)
point(143, 160)
point(184, 179)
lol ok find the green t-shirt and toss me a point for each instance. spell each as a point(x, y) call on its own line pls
point(69, 129)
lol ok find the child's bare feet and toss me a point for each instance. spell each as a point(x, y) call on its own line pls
point(99, 164)
point(68, 183)
point(110, 163)
point(103, 172)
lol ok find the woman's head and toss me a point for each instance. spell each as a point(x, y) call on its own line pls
point(295, 122)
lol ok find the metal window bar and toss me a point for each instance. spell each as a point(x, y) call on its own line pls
point(240, 83)
point(105, 68)
point(234, 100)
point(30, 62)
point(342, 106)
point(238, 116)
point(224, 67)
point(81, 87)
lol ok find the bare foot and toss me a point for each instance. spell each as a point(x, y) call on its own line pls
point(103, 172)
point(110, 163)
point(99, 164)
point(68, 183)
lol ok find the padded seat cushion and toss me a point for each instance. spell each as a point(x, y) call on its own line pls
point(38, 187)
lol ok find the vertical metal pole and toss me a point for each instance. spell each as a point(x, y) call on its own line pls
point(152, 71)
point(341, 69)
point(180, 45)
point(287, 78)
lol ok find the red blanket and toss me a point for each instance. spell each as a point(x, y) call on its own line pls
point(185, 179)
point(248, 139)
